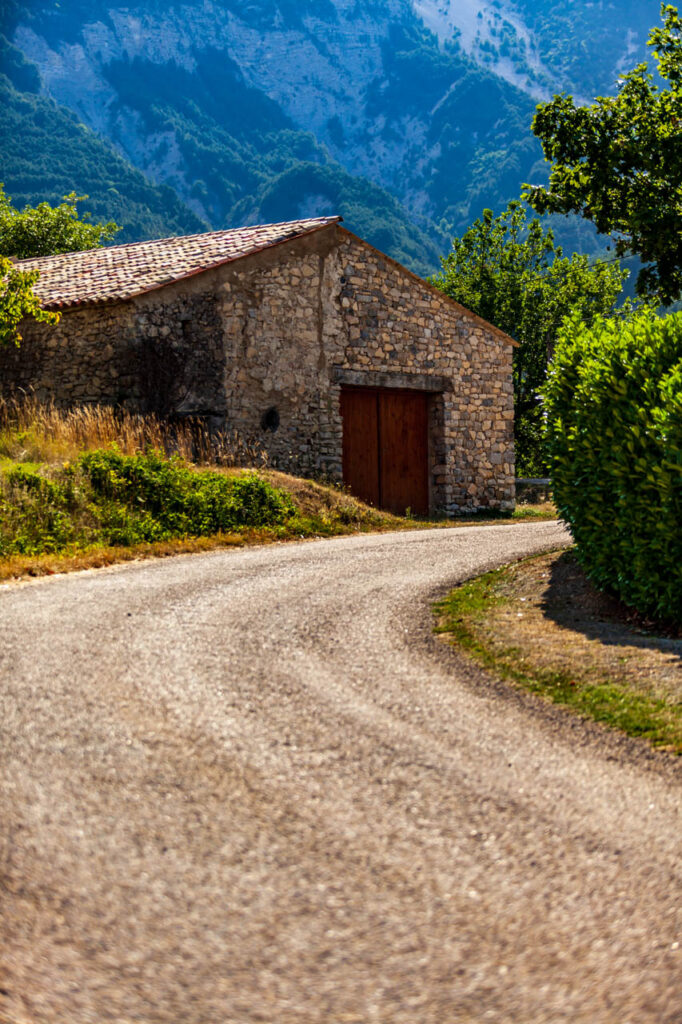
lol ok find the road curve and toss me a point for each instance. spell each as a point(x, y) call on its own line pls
point(250, 787)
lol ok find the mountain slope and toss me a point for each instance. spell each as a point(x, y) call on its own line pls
point(227, 150)
point(408, 117)
point(47, 153)
point(369, 81)
point(546, 46)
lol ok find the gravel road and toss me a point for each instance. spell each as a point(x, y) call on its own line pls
point(251, 787)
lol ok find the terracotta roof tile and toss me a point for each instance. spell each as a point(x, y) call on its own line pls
point(119, 272)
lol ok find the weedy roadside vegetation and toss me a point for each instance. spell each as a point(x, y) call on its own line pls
point(80, 487)
point(535, 623)
point(94, 485)
point(106, 497)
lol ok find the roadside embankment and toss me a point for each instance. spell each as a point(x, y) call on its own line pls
point(541, 625)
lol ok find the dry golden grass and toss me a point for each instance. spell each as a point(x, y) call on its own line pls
point(33, 431)
point(541, 624)
point(18, 567)
point(551, 610)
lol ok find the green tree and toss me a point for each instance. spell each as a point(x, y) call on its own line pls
point(509, 271)
point(46, 230)
point(18, 300)
point(618, 162)
point(42, 230)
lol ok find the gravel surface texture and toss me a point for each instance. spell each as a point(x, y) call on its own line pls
point(251, 787)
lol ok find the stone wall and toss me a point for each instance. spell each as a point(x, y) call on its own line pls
point(78, 361)
point(330, 310)
point(265, 344)
point(160, 353)
point(276, 338)
point(394, 323)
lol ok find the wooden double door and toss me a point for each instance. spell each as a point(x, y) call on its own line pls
point(386, 447)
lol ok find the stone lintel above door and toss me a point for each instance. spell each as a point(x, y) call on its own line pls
point(375, 379)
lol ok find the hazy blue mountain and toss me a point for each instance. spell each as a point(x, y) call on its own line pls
point(47, 153)
point(408, 117)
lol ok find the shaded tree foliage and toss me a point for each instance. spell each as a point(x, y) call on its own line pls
point(618, 162)
point(18, 300)
point(510, 271)
point(32, 232)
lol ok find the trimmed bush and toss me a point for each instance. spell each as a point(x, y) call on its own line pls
point(613, 402)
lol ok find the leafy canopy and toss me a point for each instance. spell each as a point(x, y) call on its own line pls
point(510, 271)
point(618, 162)
point(46, 230)
point(43, 230)
point(18, 300)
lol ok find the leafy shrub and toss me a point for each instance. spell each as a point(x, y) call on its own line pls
point(106, 497)
point(168, 499)
point(36, 513)
point(614, 426)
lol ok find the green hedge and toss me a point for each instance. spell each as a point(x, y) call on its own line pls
point(613, 402)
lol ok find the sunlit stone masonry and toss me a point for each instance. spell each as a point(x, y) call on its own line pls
point(339, 361)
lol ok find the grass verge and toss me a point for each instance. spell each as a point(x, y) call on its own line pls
point(92, 486)
point(539, 625)
point(107, 507)
point(318, 516)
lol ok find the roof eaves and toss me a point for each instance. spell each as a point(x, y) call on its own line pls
point(110, 299)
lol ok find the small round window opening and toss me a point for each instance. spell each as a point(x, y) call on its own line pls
point(270, 419)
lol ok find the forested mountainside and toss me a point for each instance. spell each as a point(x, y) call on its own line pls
point(547, 46)
point(47, 153)
point(408, 117)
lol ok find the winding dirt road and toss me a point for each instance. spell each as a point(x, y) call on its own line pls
point(250, 787)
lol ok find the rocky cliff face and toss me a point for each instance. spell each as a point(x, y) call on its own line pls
point(250, 108)
point(318, 72)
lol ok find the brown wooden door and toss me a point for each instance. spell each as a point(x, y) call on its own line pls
point(403, 464)
point(385, 447)
point(360, 412)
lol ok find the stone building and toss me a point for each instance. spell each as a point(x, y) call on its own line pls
point(342, 362)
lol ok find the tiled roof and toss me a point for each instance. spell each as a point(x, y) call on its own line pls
point(118, 272)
